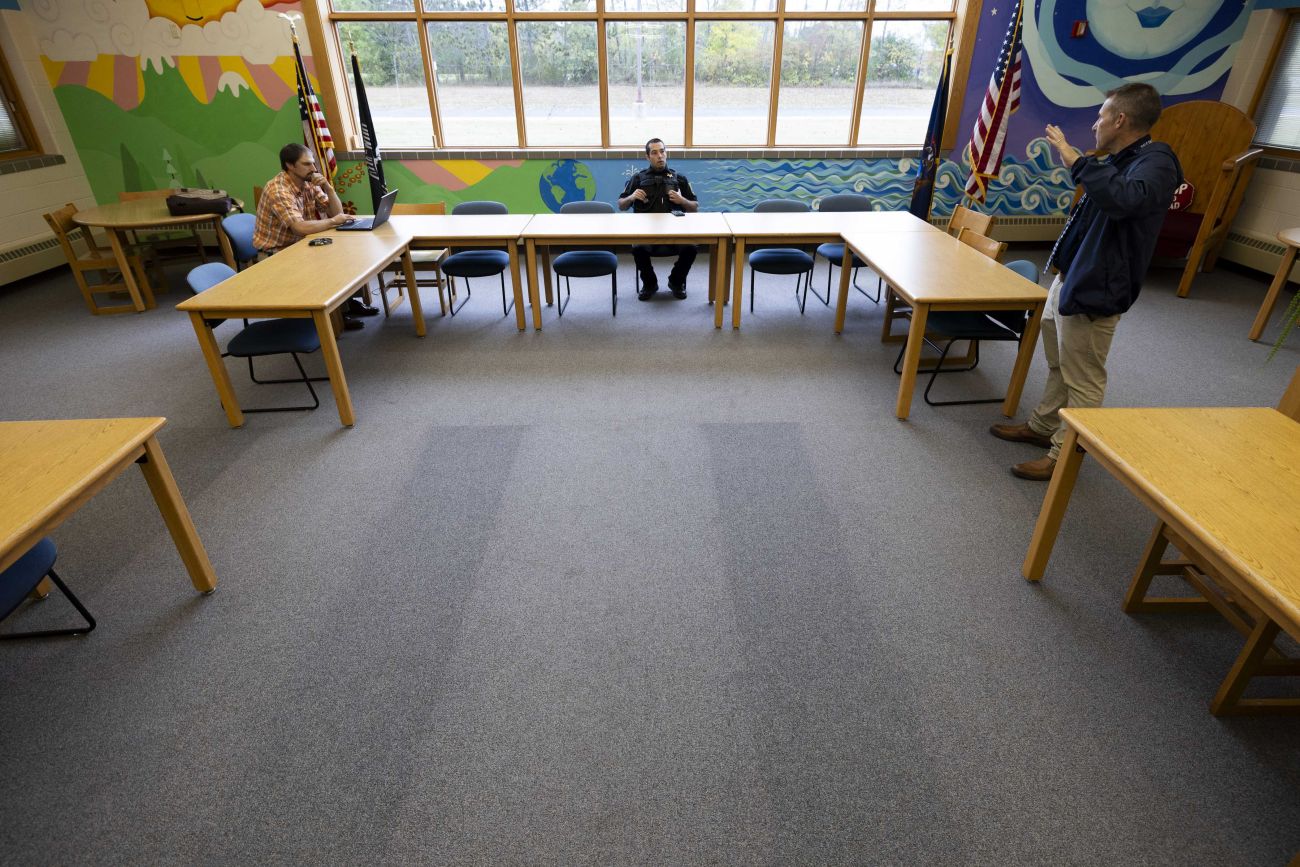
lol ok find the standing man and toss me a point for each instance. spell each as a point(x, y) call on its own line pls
point(658, 190)
point(299, 202)
point(1101, 257)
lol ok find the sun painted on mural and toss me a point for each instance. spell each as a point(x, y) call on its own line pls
point(194, 11)
point(119, 49)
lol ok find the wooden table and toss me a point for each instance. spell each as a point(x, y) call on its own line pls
point(473, 230)
point(934, 271)
point(118, 218)
point(1224, 485)
point(625, 230)
point(800, 229)
point(49, 469)
point(302, 282)
point(1290, 238)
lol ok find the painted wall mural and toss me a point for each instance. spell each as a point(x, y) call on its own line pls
point(171, 92)
point(1036, 186)
point(1076, 50)
point(201, 92)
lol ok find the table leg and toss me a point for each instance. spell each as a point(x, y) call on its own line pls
point(128, 273)
point(530, 252)
point(412, 292)
point(1274, 289)
point(737, 286)
point(1024, 357)
point(334, 366)
point(911, 358)
point(718, 288)
point(546, 275)
point(842, 305)
point(176, 516)
point(217, 367)
point(1053, 510)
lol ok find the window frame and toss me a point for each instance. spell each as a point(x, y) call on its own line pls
point(18, 112)
point(321, 18)
point(1289, 26)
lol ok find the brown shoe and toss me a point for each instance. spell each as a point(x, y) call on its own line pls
point(1036, 471)
point(1021, 433)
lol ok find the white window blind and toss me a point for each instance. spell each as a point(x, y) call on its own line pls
point(1279, 112)
point(11, 138)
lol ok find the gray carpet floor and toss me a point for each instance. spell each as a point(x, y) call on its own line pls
point(626, 591)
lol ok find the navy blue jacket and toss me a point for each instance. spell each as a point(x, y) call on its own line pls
point(1107, 244)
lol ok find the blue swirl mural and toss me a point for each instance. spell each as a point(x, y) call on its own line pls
point(1033, 184)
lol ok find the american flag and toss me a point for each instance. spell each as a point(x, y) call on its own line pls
point(315, 132)
point(989, 138)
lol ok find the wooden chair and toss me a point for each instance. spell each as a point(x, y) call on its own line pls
point(982, 243)
point(163, 239)
point(257, 197)
point(1212, 142)
point(426, 259)
point(97, 259)
point(964, 218)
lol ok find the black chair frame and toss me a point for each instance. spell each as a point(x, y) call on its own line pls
point(1002, 334)
point(76, 603)
point(304, 379)
point(804, 277)
point(560, 304)
point(506, 304)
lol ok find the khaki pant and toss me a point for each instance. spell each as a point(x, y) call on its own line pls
point(1076, 348)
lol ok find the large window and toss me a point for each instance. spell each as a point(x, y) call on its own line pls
point(614, 73)
point(1278, 115)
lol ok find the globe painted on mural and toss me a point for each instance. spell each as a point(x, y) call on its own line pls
point(565, 181)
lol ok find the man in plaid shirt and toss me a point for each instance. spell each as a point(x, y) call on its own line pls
point(297, 202)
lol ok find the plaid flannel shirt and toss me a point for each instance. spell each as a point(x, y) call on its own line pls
point(283, 201)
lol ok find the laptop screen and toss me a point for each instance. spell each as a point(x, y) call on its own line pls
point(385, 208)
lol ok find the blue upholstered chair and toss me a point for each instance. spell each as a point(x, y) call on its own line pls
point(834, 253)
point(950, 326)
point(587, 263)
point(21, 579)
point(782, 260)
point(478, 263)
point(239, 231)
point(290, 337)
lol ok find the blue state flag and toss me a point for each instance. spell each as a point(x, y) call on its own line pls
point(923, 187)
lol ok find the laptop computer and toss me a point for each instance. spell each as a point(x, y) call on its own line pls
point(365, 224)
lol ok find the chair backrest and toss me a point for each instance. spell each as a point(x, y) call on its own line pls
point(1204, 134)
point(1025, 269)
point(420, 209)
point(965, 218)
point(206, 276)
point(480, 208)
point(586, 208)
point(63, 225)
point(844, 202)
point(983, 243)
point(136, 195)
point(239, 229)
point(257, 196)
point(781, 206)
